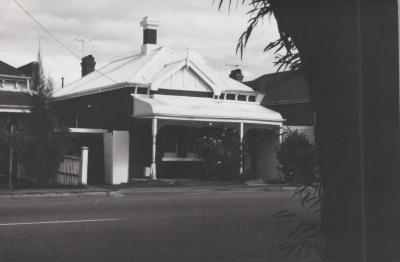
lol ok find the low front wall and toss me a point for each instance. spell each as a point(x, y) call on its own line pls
point(180, 169)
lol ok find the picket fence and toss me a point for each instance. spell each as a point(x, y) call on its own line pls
point(69, 171)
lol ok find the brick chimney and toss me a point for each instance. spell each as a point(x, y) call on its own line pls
point(150, 25)
point(88, 65)
point(236, 74)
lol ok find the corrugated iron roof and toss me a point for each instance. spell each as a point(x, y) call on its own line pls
point(207, 109)
point(143, 70)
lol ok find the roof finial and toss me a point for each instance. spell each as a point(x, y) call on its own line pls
point(187, 58)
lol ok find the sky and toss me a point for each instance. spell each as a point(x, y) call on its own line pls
point(111, 31)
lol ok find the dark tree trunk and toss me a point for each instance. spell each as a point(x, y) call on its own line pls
point(349, 53)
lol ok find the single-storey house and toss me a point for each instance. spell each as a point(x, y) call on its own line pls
point(141, 114)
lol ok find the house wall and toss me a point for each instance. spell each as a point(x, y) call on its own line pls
point(18, 99)
point(140, 146)
point(108, 110)
point(183, 93)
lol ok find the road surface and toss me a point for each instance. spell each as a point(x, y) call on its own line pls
point(212, 225)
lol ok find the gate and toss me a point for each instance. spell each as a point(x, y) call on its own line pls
point(69, 171)
point(72, 170)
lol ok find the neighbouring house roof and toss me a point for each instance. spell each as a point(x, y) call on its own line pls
point(150, 70)
point(16, 95)
point(203, 109)
point(29, 69)
point(25, 70)
point(282, 88)
point(7, 69)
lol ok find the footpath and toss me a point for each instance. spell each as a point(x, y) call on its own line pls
point(144, 186)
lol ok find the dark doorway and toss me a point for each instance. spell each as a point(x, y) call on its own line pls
point(95, 143)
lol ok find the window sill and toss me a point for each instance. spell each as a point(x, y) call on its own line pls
point(181, 159)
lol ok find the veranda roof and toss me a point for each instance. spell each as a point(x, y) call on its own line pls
point(202, 109)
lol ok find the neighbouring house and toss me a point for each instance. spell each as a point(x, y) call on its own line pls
point(140, 115)
point(18, 96)
point(288, 93)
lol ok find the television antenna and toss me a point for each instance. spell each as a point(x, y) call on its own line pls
point(83, 42)
point(237, 66)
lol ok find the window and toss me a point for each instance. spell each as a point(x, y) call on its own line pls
point(222, 96)
point(170, 138)
point(241, 98)
point(230, 97)
point(179, 144)
point(142, 90)
point(252, 98)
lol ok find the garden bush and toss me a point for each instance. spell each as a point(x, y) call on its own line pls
point(220, 150)
point(40, 144)
point(297, 158)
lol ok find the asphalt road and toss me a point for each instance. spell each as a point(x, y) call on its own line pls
point(220, 225)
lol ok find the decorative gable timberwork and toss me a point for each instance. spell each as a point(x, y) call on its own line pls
point(184, 79)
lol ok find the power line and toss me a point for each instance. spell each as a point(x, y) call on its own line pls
point(55, 38)
point(44, 29)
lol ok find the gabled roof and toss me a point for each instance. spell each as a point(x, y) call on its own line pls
point(25, 70)
point(6, 69)
point(149, 70)
point(282, 88)
point(29, 69)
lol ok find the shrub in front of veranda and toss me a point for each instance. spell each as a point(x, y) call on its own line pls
point(297, 158)
point(220, 150)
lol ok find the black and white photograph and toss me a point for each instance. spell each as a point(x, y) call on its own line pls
point(204, 131)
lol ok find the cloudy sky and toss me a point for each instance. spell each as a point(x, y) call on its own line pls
point(114, 29)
